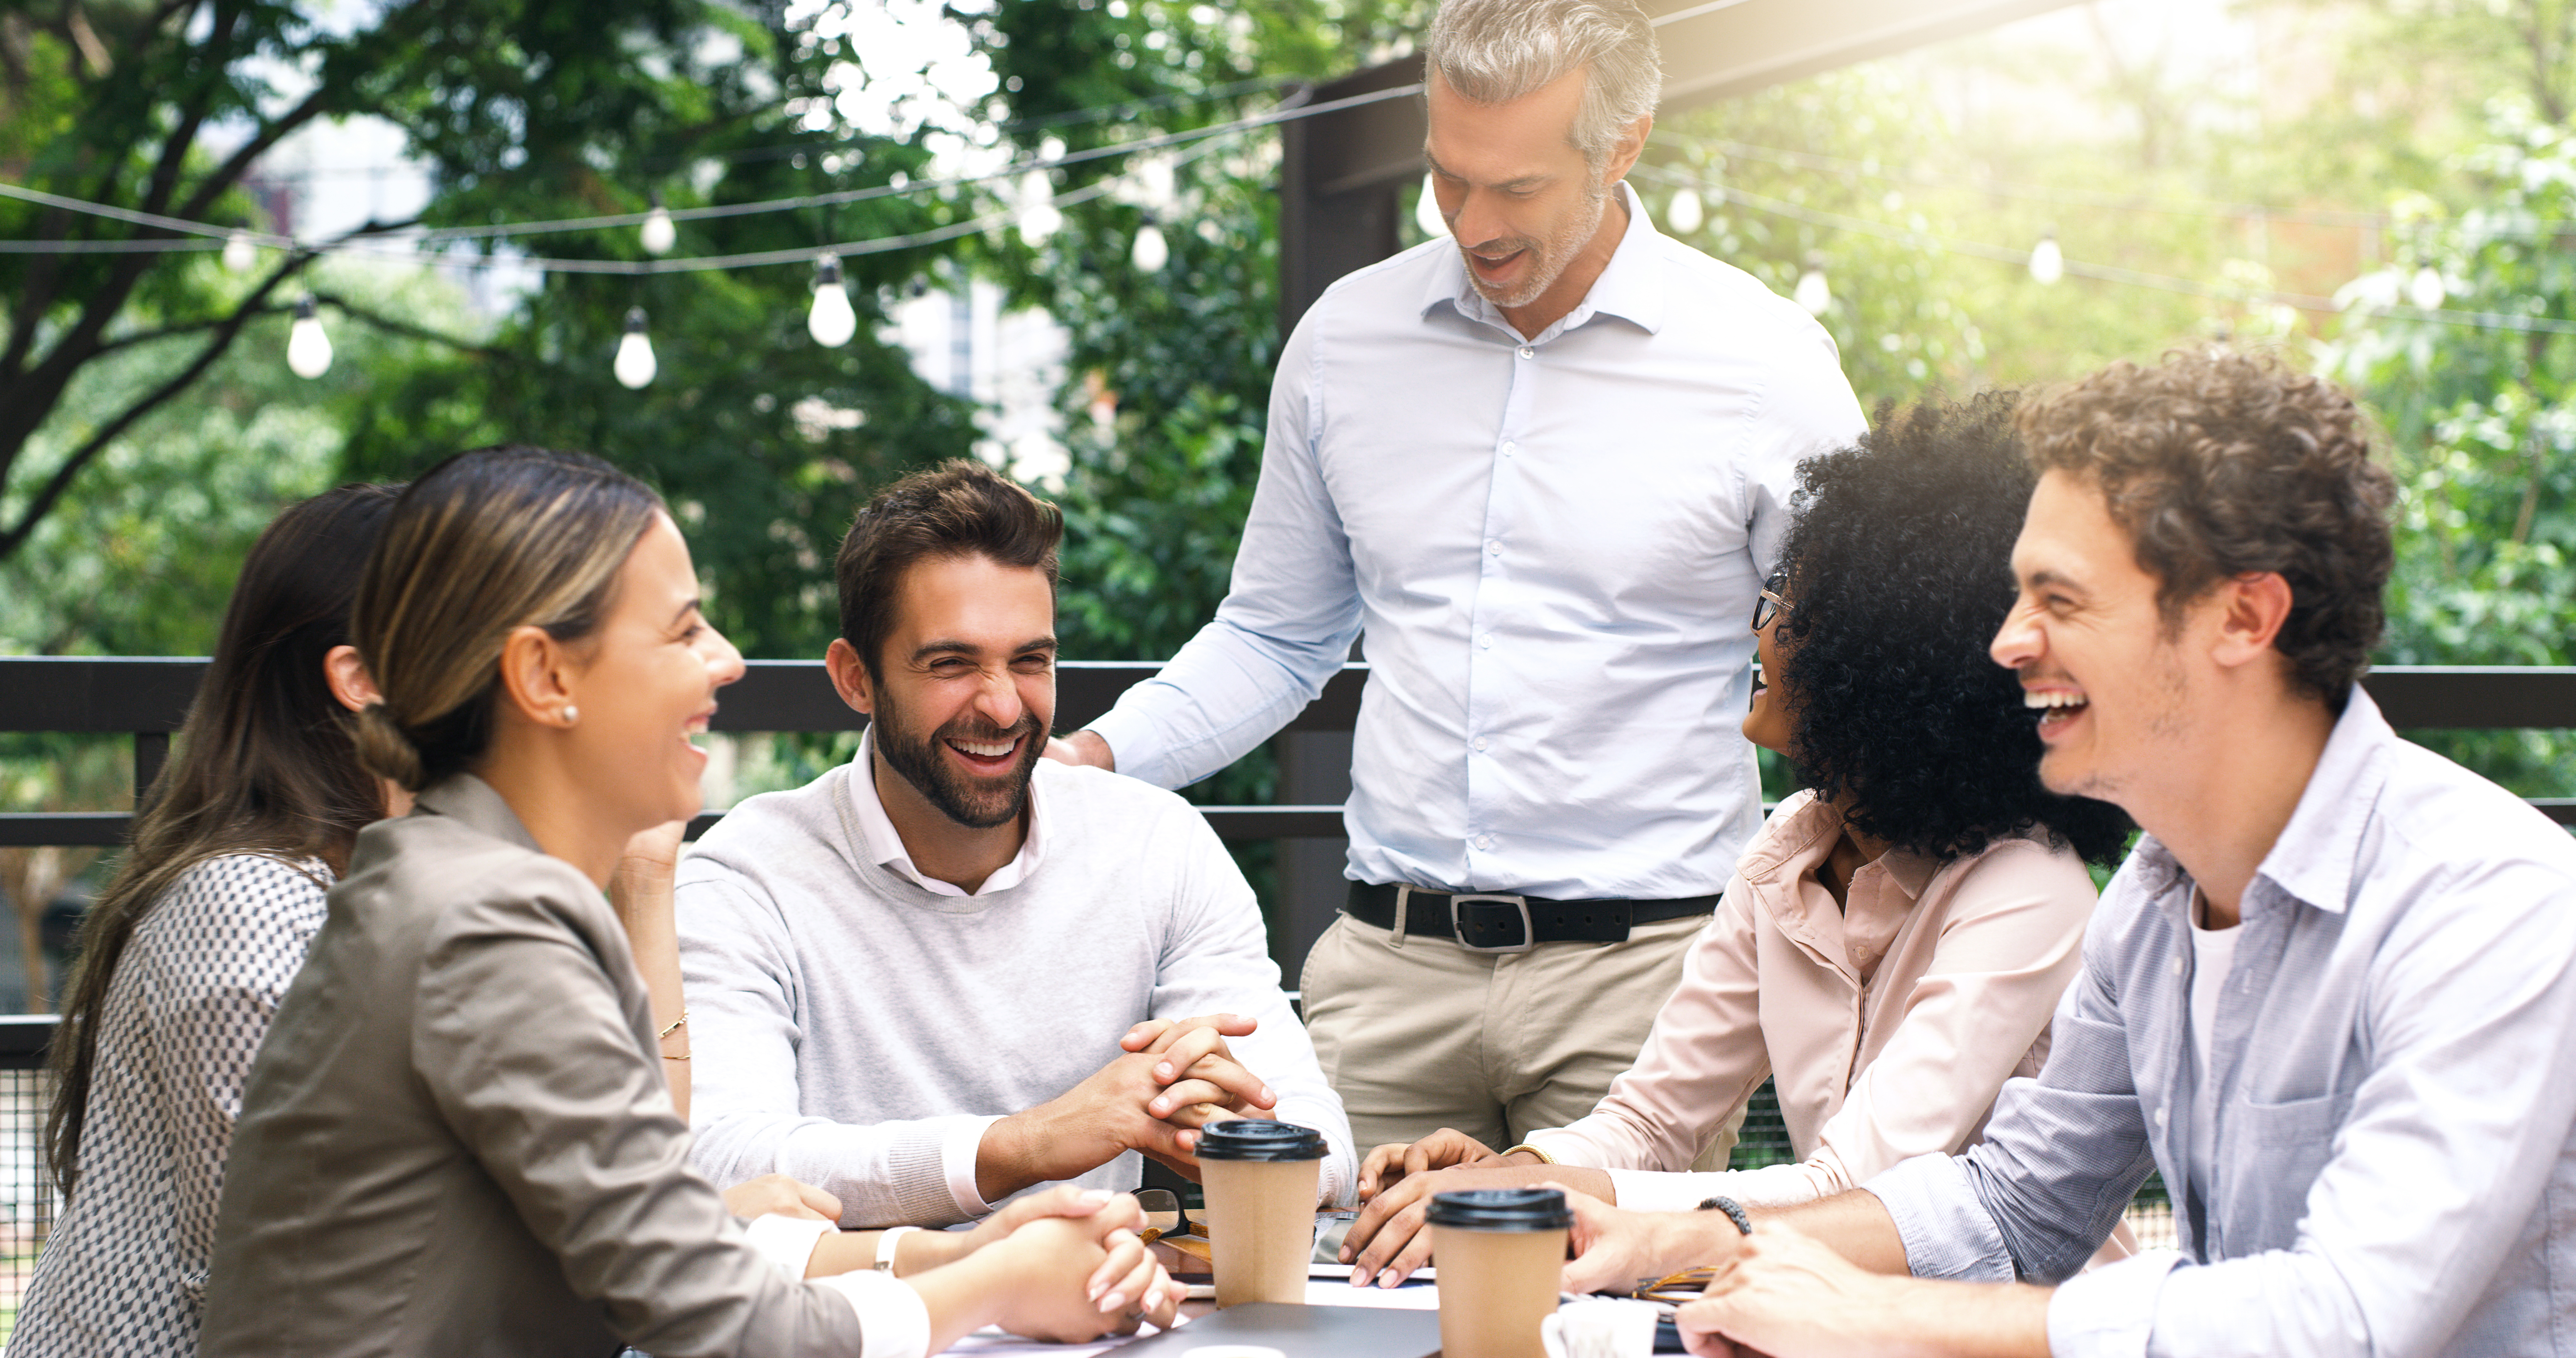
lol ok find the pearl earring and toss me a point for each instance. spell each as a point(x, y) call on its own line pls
point(571, 714)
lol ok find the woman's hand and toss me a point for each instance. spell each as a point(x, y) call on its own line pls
point(645, 870)
point(1063, 1200)
point(1048, 1279)
point(1440, 1150)
point(778, 1195)
point(1614, 1250)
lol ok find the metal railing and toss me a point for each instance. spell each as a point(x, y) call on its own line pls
point(147, 698)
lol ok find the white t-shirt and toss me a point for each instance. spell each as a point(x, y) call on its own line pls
point(2213, 951)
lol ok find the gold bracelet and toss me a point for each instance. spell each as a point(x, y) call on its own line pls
point(1543, 1156)
point(673, 1027)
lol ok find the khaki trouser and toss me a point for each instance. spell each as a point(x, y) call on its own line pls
point(1497, 1045)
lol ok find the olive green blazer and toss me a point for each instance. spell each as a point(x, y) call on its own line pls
point(457, 1139)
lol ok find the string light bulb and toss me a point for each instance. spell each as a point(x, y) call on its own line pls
point(1813, 294)
point(239, 253)
point(635, 366)
point(658, 234)
point(308, 350)
point(1152, 251)
point(2047, 262)
point(1039, 216)
point(831, 322)
point(2425, 289)
point(1426, 211)
point(1685, 215)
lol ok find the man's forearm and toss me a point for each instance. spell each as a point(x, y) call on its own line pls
point(1856, 1224)
point(1005, 1158)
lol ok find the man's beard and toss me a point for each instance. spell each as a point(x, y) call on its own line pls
point(1548, 258)
point(976, 803)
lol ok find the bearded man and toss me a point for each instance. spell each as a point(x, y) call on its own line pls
point(949, 971)
point(1543, 465)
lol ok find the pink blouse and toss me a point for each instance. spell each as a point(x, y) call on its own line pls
point(1887, 1026)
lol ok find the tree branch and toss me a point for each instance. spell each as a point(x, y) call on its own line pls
point(141, 337)
point(43, 503)
point(239, 162)
point(396, 326)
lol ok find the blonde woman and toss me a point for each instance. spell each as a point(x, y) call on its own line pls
point(458, 1137)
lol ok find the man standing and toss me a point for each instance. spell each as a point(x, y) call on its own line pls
point(949, 971)
point(1543, 466)
point(2332, 995)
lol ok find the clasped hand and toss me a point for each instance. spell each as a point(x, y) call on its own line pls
point(1389, 1240)
point(1175, 1077)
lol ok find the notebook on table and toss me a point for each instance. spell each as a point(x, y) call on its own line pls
point(1301, 1332)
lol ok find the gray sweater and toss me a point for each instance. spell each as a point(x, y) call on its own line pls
point(857, 1031)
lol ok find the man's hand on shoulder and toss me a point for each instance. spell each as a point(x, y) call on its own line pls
point(1152, 1099)
point(1082, 748)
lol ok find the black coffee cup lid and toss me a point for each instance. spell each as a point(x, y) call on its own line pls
point(1502, 1209)
point(1260, 1139)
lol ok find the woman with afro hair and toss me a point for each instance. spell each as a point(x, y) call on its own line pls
point(1895, 938)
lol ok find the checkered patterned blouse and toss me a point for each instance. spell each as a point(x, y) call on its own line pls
point(125, 1269)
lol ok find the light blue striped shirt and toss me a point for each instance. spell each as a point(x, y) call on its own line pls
point(2392, 1093)
point(1553, 547)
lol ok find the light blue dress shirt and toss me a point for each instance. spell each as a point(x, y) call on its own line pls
point(1553, 546)
point(2391, 1095)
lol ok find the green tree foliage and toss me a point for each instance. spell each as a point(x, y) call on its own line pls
point(2484, 440)
point(1171, 367)
point(523, 111)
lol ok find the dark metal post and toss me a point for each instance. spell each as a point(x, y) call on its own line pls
point(1341, 177)
point(151, 751)
point(1314, 770)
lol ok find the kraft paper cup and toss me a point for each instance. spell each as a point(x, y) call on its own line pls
point(1260, 1178)
point(1501, 1253)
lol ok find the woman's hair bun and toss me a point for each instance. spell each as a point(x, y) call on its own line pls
point(385, 749)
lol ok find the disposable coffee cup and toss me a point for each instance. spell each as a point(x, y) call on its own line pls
point(1260, 1178)
point(1501, 1256)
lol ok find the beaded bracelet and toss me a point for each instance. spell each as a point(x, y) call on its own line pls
point(1734, 1212)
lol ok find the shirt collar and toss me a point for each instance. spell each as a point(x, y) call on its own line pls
point(1800, 835)
point(465, 798)
point(884, 844)
point(2313, 858)
point(1630, 286)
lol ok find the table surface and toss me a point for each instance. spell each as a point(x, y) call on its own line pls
point(1413, 1296)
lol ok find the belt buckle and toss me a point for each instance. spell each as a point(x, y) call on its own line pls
point(1520, 903)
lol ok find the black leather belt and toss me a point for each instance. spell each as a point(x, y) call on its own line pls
point(1487, 921)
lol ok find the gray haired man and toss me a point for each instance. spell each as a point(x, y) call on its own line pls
point(1544, 466)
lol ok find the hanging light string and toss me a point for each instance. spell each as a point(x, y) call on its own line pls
point(2063, 197)
point(1289, 110)
point(1931, 243)
point(782, 150)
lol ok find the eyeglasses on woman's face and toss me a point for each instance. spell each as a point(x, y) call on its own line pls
point(1768, 604)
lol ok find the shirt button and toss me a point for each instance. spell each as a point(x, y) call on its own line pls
point(1486, 641)
point(1511, 450)
point(1493, 549)
point(1478, 742)
point(1528, 352)
point(1484, 841)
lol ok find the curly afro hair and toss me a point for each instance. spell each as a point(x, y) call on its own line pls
point(1900, 569)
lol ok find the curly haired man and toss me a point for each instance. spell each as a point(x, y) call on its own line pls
point(2332, 995)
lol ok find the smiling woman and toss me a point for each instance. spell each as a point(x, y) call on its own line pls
point(457, 1137)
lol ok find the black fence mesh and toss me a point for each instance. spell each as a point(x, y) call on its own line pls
point(1765, 1141)
point(26, 1201)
